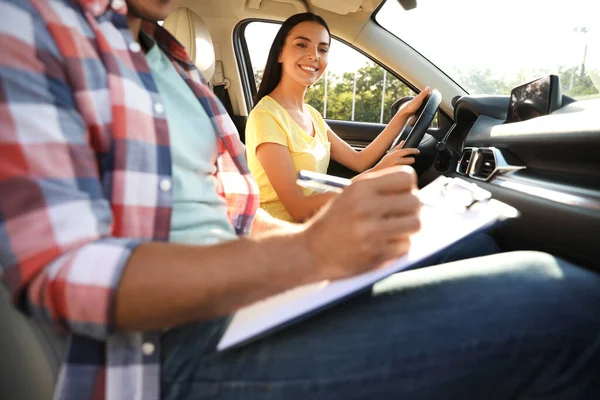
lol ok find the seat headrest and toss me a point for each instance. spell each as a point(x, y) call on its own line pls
point(192, 32)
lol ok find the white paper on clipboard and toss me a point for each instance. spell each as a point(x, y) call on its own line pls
point(452, 209)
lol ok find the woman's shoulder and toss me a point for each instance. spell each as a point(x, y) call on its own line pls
point(265, 112)
point(266, 105)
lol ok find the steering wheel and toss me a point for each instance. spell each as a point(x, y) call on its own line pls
point(425, 114)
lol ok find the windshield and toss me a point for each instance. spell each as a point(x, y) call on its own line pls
point(489, 47)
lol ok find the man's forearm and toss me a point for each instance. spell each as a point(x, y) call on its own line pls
point(264, 222)
point(168, 284)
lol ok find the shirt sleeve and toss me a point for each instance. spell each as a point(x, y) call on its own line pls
point(327, 127)
point(264, 127)
point(57, 255)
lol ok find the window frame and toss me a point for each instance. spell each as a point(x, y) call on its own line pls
point(245, 67)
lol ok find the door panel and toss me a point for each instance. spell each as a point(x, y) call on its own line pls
point(356, 134)
point(360, 134)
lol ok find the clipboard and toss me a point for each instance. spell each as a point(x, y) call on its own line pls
point(452, 210)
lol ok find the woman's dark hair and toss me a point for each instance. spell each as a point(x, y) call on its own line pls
point(272, 72)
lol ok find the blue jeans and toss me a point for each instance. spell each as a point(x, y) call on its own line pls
point(517, 325)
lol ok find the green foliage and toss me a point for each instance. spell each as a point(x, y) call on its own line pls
point(315, 95)
point(575, 83)
point(369, 86)
point(367, 104)
point(480, 81)
point(258, 77)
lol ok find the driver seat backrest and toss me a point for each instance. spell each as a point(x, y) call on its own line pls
point(30, 355)
point(192, 32)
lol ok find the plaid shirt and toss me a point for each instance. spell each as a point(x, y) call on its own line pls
point(85, 175)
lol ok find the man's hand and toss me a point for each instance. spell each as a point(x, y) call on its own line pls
point(369, 223)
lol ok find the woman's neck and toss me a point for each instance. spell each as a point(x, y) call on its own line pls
point(289, 94)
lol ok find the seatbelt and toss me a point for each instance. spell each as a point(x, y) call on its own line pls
point(220, 86)
point(222, 94)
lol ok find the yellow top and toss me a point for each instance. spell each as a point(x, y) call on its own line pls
point(269, 122)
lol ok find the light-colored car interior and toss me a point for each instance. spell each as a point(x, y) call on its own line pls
point(30, 356)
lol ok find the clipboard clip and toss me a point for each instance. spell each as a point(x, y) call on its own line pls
point(453, 193)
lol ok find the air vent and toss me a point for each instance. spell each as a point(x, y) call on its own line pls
point(465, 161)
point(485, 164)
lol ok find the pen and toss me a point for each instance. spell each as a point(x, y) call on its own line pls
point(442, 193)
point(321, 183)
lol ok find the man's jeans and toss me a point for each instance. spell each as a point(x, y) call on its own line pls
point(517, 325)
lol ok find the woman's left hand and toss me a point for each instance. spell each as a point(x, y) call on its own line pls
point(411, 107)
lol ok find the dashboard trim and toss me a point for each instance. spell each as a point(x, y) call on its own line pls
point(563, 197)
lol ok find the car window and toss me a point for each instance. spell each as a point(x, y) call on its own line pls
point(490, 47)
point(354, 88)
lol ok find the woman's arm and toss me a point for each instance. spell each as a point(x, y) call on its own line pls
point(277, 164)
point(265, 222)
point(360, 161)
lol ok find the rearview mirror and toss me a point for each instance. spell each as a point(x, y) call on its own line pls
point(408, 4)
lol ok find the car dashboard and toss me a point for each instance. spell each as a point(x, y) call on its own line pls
point(548, 167)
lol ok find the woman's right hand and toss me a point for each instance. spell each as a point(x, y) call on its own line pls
point(398, 156)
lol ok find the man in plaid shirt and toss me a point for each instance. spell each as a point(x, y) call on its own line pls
point(90, 182)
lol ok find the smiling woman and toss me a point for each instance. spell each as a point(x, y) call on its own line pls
point(354, 87)
point(274, 70)
point(284, 135)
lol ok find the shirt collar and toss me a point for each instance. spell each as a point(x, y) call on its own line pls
point(165, 40)
point(99, 7)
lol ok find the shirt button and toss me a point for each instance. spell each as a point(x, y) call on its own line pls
point(159, 108)
point(117, 4)
point(165, 185)
point(148, 348)
point(135, 47)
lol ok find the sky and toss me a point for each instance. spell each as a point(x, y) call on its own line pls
point(502, 34)
point(507, 36)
